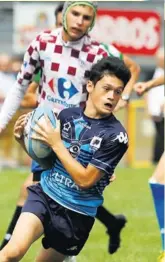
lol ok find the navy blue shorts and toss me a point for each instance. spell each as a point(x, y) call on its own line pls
point(65, 230)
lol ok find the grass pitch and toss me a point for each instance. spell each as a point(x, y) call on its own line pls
point(129, 194)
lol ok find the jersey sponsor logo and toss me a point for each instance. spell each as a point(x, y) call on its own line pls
point(65, 130)
point(64, 104)
point(96, 142)
point(66, 89)
point(67, 126)
point(59, 178)
point(74, 149)
point(122, 138)
point(85, 125)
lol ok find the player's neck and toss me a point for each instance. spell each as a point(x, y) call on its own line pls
point(91, 112)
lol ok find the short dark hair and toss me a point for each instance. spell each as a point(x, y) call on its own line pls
point(109, 66)
point(58, 9)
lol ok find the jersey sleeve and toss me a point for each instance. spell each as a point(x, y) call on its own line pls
point(31, 63)
point(112, 51)
point(29, 67)
point(110, 153)
point(61, 115)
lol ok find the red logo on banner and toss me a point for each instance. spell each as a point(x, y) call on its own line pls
point(132, 32)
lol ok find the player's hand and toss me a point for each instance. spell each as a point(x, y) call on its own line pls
point(112, 178)
point(141, 87)
point(46, 133)
point(19, 126)
point(121, 104)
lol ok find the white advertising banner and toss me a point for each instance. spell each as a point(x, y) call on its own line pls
point(29, 19)
point(134, 32)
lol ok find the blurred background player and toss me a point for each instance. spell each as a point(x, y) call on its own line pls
point(157, 181)
point(113, 223)
point(58, 15)
point(155, 102)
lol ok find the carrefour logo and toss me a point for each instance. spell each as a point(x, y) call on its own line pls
point(66, 89)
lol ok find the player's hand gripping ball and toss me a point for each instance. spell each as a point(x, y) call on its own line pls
point(37, 150)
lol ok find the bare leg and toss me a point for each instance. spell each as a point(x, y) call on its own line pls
point(21, 200)
point(49, 255)
point(158, 174)
point(28, 229)
point(23, 192)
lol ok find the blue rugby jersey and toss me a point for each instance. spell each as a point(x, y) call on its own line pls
point(101, 143)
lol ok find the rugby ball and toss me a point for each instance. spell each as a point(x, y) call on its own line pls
point(36, 149)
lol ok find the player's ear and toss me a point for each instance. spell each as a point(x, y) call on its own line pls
point(89, 86)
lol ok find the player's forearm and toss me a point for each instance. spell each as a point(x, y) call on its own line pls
point(135, 71)
point(30, 98)
point(29, 101)
point(79, 174)
point(11, 104)
point(156, 82)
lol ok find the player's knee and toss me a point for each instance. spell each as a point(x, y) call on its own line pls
point(158, 178)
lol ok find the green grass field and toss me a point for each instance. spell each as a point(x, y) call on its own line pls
point(129, 194)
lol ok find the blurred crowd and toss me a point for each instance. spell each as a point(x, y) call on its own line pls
point(9, 68)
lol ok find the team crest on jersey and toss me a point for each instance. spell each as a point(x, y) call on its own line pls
point(96, 142)
point(74, 149)
point(66, 89)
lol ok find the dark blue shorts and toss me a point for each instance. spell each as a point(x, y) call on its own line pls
point(65, 230)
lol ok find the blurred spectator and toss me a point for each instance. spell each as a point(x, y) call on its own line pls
point(6, 78)
point(58, 15)
point(16, 65)
point(155, 102)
